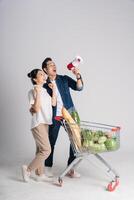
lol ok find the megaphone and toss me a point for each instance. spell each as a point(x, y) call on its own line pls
point(75, 63)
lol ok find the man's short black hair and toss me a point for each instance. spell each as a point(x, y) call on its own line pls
point(44, 64)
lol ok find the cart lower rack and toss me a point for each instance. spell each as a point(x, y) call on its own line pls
point(92, 138)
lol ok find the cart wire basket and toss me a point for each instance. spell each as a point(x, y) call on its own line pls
point(91, 138)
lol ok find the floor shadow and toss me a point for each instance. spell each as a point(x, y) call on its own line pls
point(16, 179)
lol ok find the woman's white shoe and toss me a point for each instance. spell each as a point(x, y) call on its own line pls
point(25, 173)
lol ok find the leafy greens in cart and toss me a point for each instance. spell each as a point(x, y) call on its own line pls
point(98, 141)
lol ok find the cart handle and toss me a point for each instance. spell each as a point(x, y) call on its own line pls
point(116, 129)
point(58, 118)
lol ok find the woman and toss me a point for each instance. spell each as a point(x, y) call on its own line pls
point(42, 104)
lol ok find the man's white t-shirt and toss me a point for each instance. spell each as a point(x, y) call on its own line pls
point(44, 115)
point(59, 100)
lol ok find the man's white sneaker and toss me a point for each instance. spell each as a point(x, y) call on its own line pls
point(43, 178)
point(48, 172)
point(73, 174)
point(25, 173)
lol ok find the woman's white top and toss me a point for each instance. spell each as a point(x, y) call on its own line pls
point(44, 115)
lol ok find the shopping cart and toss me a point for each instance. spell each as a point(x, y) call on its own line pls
point(94, 138)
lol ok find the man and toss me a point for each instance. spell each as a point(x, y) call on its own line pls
point(63, 85)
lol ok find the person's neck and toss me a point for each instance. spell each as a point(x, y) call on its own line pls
point(52, 78)
point(40, 84)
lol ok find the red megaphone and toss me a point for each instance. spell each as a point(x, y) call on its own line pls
point(75, 63)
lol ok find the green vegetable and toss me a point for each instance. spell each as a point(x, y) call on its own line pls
point(76, 117)
point(102, 139)
point(97, 148)
point(111, 144)
point(100, 133)
point(96, 138)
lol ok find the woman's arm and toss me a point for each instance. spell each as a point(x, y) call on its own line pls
point(36, 106)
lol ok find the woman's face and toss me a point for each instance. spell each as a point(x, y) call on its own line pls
point(40, 77)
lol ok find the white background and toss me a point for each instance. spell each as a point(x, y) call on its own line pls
point(102, 32)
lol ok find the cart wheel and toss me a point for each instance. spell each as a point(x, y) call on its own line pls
point(112, 185)
point(60, 182)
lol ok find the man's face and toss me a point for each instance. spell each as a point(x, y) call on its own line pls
point(51, 68)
